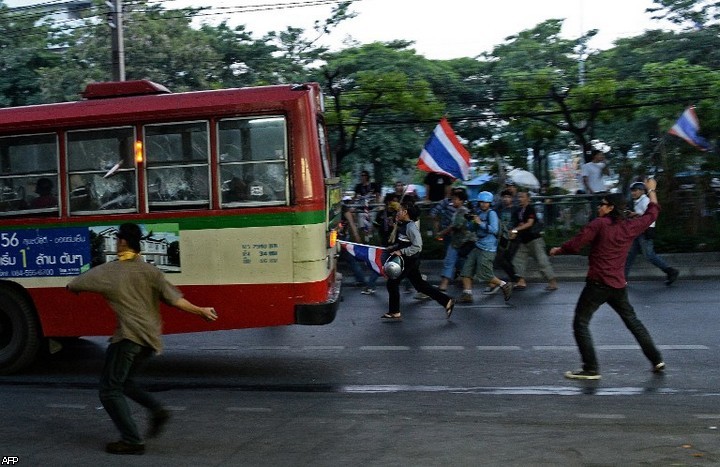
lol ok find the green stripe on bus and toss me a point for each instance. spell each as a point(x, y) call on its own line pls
point(196, 222)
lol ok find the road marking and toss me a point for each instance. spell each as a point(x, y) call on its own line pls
point(385, 347)
point(249, 409)
point(364, 411)
point(476, 413)
point(707, 416)
point(554, 347)
point(499, 347)
point(324, 347)
point(622, 347)
point(66, 406)
point(601, 416)
point(229, 347)
point(442, 347)
point(270, 347)
point(683, 347)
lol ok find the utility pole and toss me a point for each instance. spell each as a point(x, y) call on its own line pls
point(115, 22)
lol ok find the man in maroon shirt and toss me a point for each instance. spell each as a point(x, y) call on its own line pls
point(610, 236)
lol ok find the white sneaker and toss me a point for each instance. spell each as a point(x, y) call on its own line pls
point(368, 291)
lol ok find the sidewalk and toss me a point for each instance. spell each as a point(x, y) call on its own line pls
point(574, 268)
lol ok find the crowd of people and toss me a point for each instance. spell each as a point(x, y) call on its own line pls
point(502, 233)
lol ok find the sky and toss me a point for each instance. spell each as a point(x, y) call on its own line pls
point(441, 30)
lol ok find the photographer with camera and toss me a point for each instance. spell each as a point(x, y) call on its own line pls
point(479, 263)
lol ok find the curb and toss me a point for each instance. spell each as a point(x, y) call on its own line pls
point(569, 268)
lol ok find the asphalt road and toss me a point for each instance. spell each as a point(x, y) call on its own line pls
point(484, 388)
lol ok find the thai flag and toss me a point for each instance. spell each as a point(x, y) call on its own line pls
point(371, 255)
point(444, 154)
point(687, 128)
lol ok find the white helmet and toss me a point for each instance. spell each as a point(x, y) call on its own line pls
point(394, 267)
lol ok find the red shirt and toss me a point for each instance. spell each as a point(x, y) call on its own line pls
point(609, 244)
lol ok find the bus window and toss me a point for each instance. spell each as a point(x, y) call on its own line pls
point(324, 151)
point(253, 160)
point(93, 186)
point(176, 158)
point(28, 174)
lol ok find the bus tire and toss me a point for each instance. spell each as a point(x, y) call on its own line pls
point(20, 336)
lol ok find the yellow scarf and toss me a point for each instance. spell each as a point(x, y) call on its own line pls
point(127, 255)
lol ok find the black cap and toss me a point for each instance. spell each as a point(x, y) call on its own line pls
point(638, 186)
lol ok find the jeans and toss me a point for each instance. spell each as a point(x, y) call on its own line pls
point(647, 247)
point(595, 294)
point(451, 257)
point(357, 268)
point(122, 361)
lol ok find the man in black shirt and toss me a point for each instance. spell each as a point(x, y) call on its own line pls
point(437, 186)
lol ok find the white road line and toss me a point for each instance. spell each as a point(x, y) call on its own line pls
point(442, 347)
point(230, 347)
point(270, 347)
point(476, 413)
point(249, 409)
point(324, 347)
point(622, 347)
point(683, 347)
point(364, 411)
point(385, 347)
point(66, 406)
point(601, 416)
point(499, 347)
point(707, 416)
point(555, 347)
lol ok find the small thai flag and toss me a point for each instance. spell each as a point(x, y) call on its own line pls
point(371, 255)
point(444, 154)
point(687, 128)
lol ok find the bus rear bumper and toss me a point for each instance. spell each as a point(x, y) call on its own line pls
point(315, 314)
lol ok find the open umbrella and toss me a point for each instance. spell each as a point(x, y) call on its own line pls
point(524, 178)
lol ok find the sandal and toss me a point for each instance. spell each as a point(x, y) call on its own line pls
point(550, 288)
point(449, 308)
point(392, 316)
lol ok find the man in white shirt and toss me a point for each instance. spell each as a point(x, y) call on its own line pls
point(592, 173)
point(644, 243)
point(593, 181)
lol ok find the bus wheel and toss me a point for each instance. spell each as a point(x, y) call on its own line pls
point(20, 335)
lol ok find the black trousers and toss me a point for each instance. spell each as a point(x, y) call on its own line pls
point(595, 294)
point(504, 257)
point(412, 272)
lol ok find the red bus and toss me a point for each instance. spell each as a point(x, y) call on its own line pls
point(233, 189)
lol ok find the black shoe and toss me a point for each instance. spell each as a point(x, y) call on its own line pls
point(582, 374)
point(122, 447)
point(672, 276)
point(157, 423)
point(507, 290)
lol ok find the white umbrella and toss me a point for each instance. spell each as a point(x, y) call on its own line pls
point(524, 178)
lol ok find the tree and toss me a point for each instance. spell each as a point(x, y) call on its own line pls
point(692, 14)
point(23, 50)
point(377, 84)
point(160, 45)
